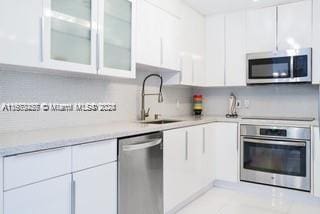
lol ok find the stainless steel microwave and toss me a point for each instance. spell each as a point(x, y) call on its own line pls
point(290, 66)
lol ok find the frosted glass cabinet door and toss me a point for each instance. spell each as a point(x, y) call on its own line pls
point(70, 35)
point(116, 38)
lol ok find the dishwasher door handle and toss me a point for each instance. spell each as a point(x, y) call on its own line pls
point(142, 145)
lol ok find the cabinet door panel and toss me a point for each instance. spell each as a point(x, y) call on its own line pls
point(235, 49)
point(186, 69)
point(49, 197)
point(199, 75)
point(149, 42)
point(225, 137)
point(316, 179)
point(96, 190)
point(295, 25)
point(20, 34)
point(170, 39)
point(176, 173)
point(261, 30)
point(316, 42)
point(215, 51)
point(195, 154)
point(208, 156)
point(117, 32)
point(69, 36)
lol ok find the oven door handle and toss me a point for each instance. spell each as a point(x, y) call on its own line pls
point(273, 142)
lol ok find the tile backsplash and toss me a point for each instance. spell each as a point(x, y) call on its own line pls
point(39, 88)
point(267, 100)
point(297, 100)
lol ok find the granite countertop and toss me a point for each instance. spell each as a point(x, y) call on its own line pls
point(28, 141)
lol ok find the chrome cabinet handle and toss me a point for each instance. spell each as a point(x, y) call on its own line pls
point(42, 20)
point(161, 51)
point(141, 145)
point(73, 196)
point(187, 145)
point(203, 140)
point(98, 51)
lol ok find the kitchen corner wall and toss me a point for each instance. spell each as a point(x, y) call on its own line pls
point(38, 88)
point(266, 100)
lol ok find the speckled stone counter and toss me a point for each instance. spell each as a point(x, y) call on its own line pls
point(20, 142)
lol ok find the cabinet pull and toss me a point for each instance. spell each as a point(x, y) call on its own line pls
point(204, 140)
point(187, 145)
point(42, 23)
point(73, 196)
point(39, 152)
point(98, 51)
point(161, 51)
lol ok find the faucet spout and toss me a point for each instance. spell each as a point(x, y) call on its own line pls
point(145, 114)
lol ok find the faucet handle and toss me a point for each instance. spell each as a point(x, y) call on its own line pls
point(146, 114)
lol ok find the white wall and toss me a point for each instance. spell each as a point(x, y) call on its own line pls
point(267, 100)
point(29, 87)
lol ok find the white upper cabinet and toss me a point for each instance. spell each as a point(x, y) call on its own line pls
point(295, 25)
point(316, 42)
point(261, 27)
point(148, 41)
point(215, 50)
point(169, 41)
point(20, 32)
point(117, 38)
point(235, 37)
point(186, 76)
point(171, 6)
point(69, 35)
point(192, 50)
point(158, 40)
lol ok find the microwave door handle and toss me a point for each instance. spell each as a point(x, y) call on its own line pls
point(272, 142)
point(291, 67)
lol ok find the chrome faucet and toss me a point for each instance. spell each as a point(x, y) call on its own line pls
point(144, 113)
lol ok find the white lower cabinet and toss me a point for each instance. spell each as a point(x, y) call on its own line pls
point(316, 143)
point(225, 138)
point(188, 165)
point(50, 197)
point(54, 188)
point(95, 190)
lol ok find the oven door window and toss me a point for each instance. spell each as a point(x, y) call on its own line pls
point(272, 158)
point(272, 68)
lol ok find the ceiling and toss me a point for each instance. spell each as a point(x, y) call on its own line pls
point(208, 7)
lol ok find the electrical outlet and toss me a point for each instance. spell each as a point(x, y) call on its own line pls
point(247, 103)
point(238, 104)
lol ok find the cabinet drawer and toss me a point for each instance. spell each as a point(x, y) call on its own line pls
point(48, 197)
point(93, 154)
point(33, 167)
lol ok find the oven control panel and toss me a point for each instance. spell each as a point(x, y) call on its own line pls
point(273, 132)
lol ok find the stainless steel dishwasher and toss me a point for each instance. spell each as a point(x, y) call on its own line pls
point(140, 174)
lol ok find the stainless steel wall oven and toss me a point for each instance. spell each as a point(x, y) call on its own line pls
point(279, 156)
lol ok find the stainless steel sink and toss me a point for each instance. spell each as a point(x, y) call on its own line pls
point(160, 121)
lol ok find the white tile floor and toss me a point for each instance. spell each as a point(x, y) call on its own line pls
point(225, 201)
